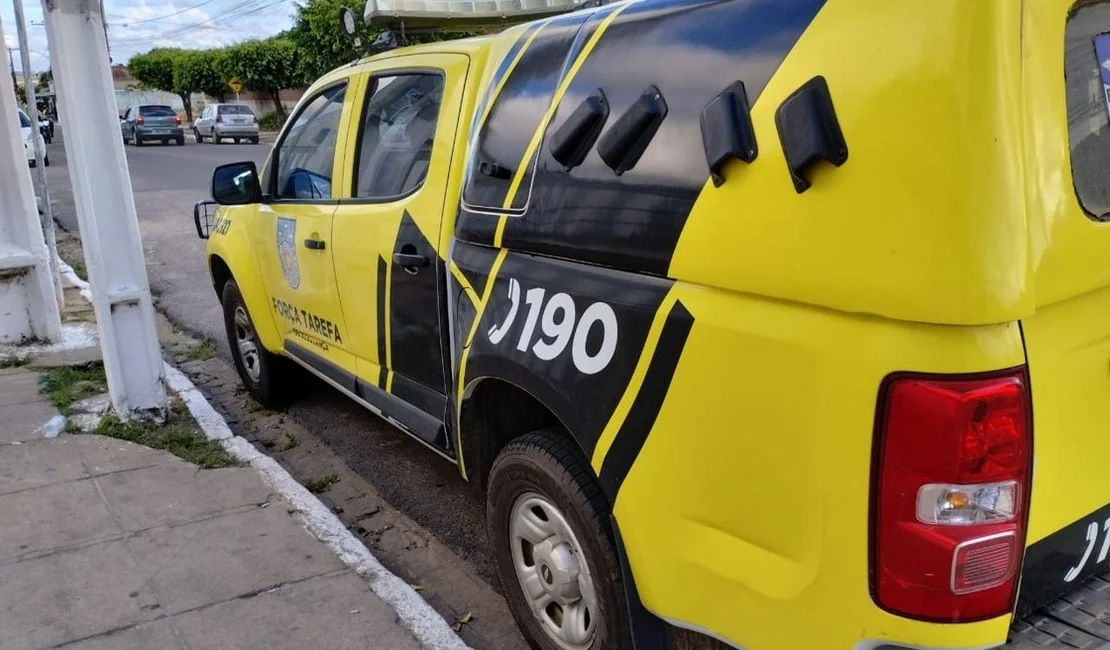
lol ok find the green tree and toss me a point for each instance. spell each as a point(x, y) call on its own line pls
point(267, 66)
point(321, 44)
point(154, 69)
point(199, 71)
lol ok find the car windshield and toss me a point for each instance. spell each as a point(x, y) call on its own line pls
point(24, 121)
point(156, 111)
point(235, 109)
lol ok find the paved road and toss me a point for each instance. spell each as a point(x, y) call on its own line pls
point(167, 180)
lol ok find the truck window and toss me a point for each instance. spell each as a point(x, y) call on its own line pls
point(397, 133)
point(305, 156)
point(1087, 74)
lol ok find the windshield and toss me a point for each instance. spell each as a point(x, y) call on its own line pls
point(236, 109)
point(24, 121)
point(157, 111)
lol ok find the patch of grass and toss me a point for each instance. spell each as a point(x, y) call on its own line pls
point(179, 436)
point(14, 361)
point(66, 385)
point(78, 267)
point(290, 443)
point(319, 484)
point(202, 351)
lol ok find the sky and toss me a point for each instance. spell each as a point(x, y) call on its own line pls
point(135, 26)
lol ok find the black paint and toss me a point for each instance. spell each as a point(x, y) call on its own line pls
point(641, 417)
point(382, 361)
point(416, 341)
point(1048, 561)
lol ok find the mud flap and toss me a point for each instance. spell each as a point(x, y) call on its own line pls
point(1080, 619)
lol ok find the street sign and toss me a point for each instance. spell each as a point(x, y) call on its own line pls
point(235, 84)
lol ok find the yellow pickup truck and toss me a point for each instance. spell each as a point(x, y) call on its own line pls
point(762, 324)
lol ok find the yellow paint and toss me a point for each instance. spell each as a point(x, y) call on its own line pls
point(467, 288)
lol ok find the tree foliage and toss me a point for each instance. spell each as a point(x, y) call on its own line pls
point(199, 71)
point(266, 66)
point(155, 69)
point(321, 44)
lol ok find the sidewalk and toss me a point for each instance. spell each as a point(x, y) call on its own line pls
point(108, 545)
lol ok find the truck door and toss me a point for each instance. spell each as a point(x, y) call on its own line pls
point(297, 220)
point(389, 245)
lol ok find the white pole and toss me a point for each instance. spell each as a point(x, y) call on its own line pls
point(40, 152)
point(27, 307)
point(105, 205)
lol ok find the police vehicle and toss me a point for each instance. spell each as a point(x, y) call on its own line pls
point(763, 324)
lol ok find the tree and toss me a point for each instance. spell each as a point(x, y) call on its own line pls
point(154, 69)
point(199, 71)
point(321, 44)
point(267, 66)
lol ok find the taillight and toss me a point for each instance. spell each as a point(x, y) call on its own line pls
point(177, 119)
point(950, 495)
point(139, 120)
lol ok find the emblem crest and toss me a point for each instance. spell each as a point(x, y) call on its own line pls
point(287, 251)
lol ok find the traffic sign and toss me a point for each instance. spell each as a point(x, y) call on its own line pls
point(235, 84)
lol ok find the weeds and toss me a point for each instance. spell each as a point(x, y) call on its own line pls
point(290, 443)
point(319, 484)
point(179, 436)
point(202, 351)
point(67, 385)
point(14, 361)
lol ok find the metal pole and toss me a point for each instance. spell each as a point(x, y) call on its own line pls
point(27, 307)
point(40, 153)
point(106, 215)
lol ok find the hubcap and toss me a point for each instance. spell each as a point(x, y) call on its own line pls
point(552, 571)
point(246, 345)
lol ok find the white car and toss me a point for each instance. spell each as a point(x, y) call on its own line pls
point(28, 145)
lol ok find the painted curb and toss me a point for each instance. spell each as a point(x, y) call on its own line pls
point(429, 629)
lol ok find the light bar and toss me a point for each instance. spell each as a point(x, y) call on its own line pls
point(418, 15)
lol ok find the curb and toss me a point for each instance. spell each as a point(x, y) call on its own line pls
point(429, 629)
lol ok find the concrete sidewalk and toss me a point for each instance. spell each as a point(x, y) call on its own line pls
point(108, 545)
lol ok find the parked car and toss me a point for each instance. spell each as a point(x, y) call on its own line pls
point(141, 124)
point(26, 131)
point(722, 383)
point(226, 122)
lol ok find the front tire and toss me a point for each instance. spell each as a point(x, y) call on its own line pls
point(549, 527)
point(254, 140)
point(138, 141)
point(216, 138)
point(265, 375)
point(197, 136)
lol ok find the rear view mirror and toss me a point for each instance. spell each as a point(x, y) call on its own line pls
point(236, 184)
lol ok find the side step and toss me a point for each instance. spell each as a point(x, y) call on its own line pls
point(1078, 620)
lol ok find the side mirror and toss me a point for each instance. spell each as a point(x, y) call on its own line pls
point(236, 184)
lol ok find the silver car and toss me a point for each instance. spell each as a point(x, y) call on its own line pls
point(226, 122)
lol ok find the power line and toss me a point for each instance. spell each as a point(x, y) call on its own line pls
point(153, 20)
point(244, 7)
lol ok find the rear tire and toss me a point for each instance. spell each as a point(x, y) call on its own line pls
point(197, 136)
point(266, 376)
point(254, 140)
point(216, 138)
point(46, 161)
point(181, 141)
point(541, 487)
point(138, 141)
point(237, 140)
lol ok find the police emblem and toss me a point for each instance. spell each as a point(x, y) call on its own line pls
point(287, 251)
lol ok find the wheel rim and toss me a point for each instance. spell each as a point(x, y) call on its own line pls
point(553, 573)
point(246, 345)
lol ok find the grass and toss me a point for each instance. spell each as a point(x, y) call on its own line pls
point(78, 267)
point(179, 436)
point(319, 484)
point(14, 361)
point(290, 443)
point(202, 351)
point(68, 385)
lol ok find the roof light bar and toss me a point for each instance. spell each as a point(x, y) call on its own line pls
point(419, 15)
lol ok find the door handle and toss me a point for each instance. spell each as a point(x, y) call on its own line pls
point(410, 260)
point(315, 244)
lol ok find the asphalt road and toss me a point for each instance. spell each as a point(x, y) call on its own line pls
point(167, 181)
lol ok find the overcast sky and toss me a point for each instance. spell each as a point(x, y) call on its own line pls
point(136, 26)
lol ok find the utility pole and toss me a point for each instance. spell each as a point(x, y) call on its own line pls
point(106, 215)
point(15, 84)
point(40, 152)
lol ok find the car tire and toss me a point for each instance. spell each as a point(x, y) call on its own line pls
point(266, 376)
point(181, 141)
point(543, 477)
point(238, 140)
point(254, 140)
point(197, 136)
point(138, 141)
point(216, 138)
point(46, 161)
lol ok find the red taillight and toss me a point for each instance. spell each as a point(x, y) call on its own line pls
point(949, 516)
point(139, 120)
point(177, 119)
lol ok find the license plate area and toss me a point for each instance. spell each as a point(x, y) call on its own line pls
point(1064, 560)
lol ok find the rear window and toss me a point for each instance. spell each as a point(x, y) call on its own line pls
point(235, 110)
point(24, 121)
point(156, 111)
point(1087, 71)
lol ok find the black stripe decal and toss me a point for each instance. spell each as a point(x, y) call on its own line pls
point(382, 277)
point(634, 430)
